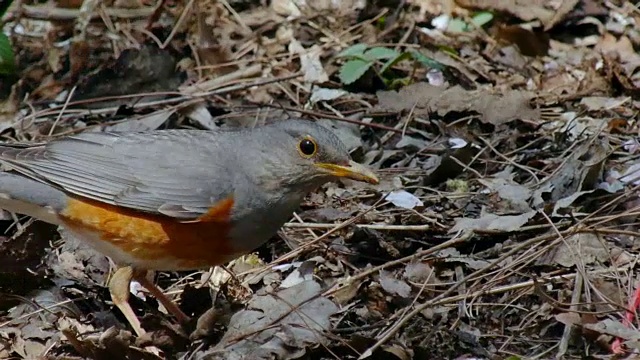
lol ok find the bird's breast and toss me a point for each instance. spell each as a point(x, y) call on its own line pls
point(259, 219)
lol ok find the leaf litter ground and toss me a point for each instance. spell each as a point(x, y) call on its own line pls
point(506, 137)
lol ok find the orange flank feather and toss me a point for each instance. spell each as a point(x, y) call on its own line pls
point(197, 244)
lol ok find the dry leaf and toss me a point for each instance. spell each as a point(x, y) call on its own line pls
point(492, 222)
point(494, 108)
point(394, 286)
point(582, 248)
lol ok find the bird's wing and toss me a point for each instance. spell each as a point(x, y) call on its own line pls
point(178, 173)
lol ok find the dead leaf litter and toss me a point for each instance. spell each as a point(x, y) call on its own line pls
point(506, 136)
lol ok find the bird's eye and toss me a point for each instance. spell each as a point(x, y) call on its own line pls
point(307, 147)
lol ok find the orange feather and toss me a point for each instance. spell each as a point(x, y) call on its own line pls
point(198, 244)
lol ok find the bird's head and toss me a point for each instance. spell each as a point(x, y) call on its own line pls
point(304, 154)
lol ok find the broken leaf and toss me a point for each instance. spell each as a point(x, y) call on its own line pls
point(404, 199)
point(394, 286)
point(492, 222)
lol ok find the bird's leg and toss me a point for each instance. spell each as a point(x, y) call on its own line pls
point(119, 289)
point(172, 308)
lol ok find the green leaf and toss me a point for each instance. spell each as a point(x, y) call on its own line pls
point(457, 25)
point(353, 51)
point(393, 61)
point(378, 53)
point(428, 62)
point(7, 58)
point(352, 70)
point(396, 84)
point(448, 49)
point(482, 18)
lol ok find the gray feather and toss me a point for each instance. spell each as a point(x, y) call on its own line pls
point(182, 173)
point(30, 197)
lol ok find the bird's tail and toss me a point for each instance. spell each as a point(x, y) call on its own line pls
point(22, 195)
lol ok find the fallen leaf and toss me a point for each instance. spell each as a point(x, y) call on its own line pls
point(419, 272)
point(564, 203)
point(422, 99)
point(281, 325)
point(310, 64)
point(492, 222)
point(454, 256)
point(303, 273)
point(515, 197)
point(569, 318)
point(325, 94)
point(579, 172)
point(615, 328)
point(146, 122)
point(404, 199)
point(200, 115)
point(631, 175)
point(394, 286)
point(582, 248)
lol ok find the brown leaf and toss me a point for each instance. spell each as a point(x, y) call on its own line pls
point(394, 286)
point(530, 43)
point(281, 324)
point(422, 99)
point(492, 222)
point(582, 248)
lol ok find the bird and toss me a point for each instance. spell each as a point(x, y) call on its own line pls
point(176, 199)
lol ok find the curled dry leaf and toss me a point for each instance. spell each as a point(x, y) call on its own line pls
point(566, 202)
point(281, 325)
point(580, 171)
point(453, 255)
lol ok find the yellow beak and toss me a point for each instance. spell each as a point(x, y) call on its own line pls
point(352, 171)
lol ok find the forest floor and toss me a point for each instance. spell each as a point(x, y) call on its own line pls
point(506, 136)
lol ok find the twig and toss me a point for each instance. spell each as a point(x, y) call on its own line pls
point(293, 253)
point(401, 323)
point(456, 240)
point(208, 85)
point(441, 300)
point(56, 13)
point(305, 225)
point(183, 16)
point(176, 100)
point(66, 103)
point(568, 328)
point(333, 117)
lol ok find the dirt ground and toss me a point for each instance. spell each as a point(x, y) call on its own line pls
point(505, 135)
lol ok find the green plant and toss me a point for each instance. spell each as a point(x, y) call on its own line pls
point(361, 57)
point(477, 20)
point(7, 57)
